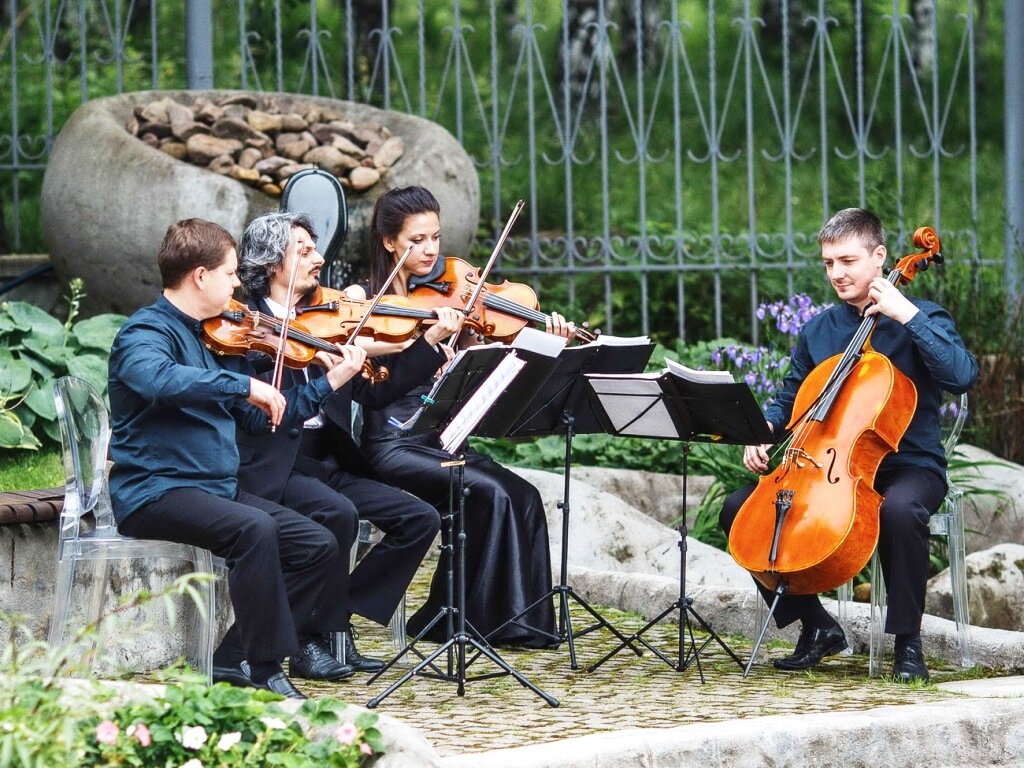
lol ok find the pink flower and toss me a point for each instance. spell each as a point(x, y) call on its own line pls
point(365, 749)
point(107, 732)
point(346, 733)
point(141, 734)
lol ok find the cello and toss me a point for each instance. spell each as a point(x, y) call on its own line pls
point(812, 523)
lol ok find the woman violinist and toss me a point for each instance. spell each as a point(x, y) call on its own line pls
point(508, 563)
point(920, 339)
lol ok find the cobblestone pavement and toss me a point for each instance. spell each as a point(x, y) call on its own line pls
point(626, 692)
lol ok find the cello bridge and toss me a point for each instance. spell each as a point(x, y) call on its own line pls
point(799, 456)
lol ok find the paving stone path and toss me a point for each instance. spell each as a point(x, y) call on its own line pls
point(627, 692)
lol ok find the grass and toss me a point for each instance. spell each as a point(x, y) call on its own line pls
point(26, 470)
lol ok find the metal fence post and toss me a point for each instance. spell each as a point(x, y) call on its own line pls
point(199, 44)
point(1013, 65)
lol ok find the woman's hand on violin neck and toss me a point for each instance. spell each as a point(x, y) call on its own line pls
point(755, 458)
point(267, 399)
point(449, 322)
point(559, 326)
point(344, 365)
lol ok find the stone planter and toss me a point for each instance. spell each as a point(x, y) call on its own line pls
point(108, 197)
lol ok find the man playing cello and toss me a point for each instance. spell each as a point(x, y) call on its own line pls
point(920, 339)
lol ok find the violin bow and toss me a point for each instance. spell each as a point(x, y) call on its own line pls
point(490, 263)
point(279, 357)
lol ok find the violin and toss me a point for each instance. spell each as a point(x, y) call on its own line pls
point(333, 315)
point(500, 312)
point(812, 523)
point(239, 329)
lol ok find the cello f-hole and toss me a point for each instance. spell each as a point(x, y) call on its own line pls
point(829, 473)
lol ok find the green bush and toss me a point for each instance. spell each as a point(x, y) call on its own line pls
point(35, 350)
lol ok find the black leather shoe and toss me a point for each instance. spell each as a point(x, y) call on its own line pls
point(909, 665)
point(238, 675)
point(280, 684)
point(315, 662)
point(814, 645)
point(356, 660)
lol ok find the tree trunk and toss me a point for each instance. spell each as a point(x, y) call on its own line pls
point(922, 37)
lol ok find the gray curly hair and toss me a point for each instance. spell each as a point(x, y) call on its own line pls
point(262, 248)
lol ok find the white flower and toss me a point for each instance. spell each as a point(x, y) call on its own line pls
point(273, 723)
point(228, 740)
point(193, 763)
point(193, 737)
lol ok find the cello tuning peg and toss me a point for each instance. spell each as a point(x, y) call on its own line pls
point(922, 265)
point(938, 258)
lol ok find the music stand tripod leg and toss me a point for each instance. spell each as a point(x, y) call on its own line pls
point(780, 590)
point(455, 646)
point(562, 590)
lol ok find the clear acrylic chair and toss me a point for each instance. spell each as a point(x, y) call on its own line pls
point(948, 522)
point(85, 434)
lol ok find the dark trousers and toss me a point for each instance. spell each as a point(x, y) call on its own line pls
point(409, 524)
point(282, 566)
point(910, 497)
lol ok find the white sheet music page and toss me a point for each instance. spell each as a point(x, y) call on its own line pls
point(634, 404)
point(460, 427)
point(700, 377)
point(547, 344)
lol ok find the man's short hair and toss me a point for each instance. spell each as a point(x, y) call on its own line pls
point(853, 222)
point(263, 245)
point(189, 244)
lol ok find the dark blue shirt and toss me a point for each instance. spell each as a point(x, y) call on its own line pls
point(927, 349)
point(174, 406)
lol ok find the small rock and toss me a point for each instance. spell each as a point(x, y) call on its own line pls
point(202, 149)
point(180, 118)
point(161, 129)
point(232, 128)
point(296, 149)
point(221, 164)
point(345, 145)
point(132, 125)
point(363, 178)
point(389, 152)
point(187, 130)
point(270, 189)
point(240, 99)
point(271, 165)
point(284, 139)
point(330, 159)
point(207, 112)
point(264, 121)
point(293, 122)
point(152, 139)
point(249, 157)
point(175, 149)
point(243, 174)
point(313, 115)
point(287, 171)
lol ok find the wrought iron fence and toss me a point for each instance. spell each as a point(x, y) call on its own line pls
point(677, 160)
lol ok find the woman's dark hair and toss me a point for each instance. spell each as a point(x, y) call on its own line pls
point(389, 215)
point(191, 243)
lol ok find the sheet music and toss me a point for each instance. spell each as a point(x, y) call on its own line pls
point(547, 344)
point(486, 394)
point(701, 377)
point(634, 405)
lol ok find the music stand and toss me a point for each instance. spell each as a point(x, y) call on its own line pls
point(460, 402)
point(680, 404)
point(565, 405)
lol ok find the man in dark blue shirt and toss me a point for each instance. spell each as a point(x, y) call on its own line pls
point(920, 339)
point(174, 409)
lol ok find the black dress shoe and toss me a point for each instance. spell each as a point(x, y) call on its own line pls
point(356, 660)
point(814, 645)
point(238, 675)
point(315, 662)
point(909, 665)
point(280, 684)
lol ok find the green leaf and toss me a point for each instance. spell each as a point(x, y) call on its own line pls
point(98, 332)
point(55, 355)
point(39, 323)
point(40, 400)
point(92, 368)
point(13, 435)
point(15, 377)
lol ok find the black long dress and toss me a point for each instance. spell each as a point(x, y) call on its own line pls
point(508, 563)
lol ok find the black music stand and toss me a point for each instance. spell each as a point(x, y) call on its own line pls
point(565, 405)
point(474, 381)
point(701, 408)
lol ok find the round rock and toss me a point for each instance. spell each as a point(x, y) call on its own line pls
point(108, 197)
